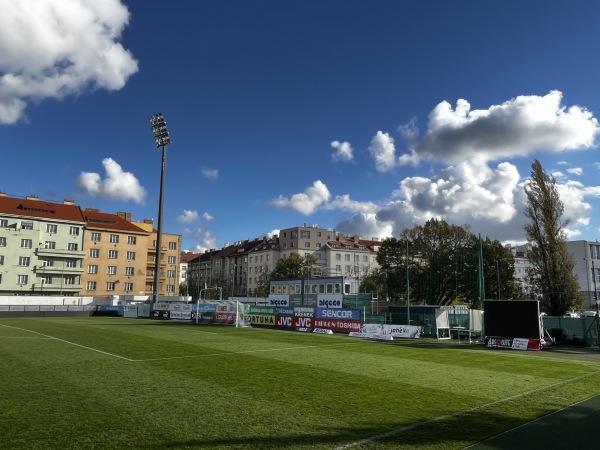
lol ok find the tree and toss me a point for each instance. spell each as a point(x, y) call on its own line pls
point(551, 266)
point(438, 264)
point(294, 266)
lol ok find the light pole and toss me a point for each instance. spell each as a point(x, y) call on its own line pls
point(162, 139)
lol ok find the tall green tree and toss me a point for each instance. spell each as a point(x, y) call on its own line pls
point(551, 266)
point(294, 266)
point(438, 264)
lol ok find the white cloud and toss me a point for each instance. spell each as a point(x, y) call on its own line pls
point(575, 171)
point(343, 151)
point(117, 185)
point(208, 217)
point(207, 241)
point(517, 127)
point(345, 203)
point(55, 48)
point(211, 174)
point(306, 202)
point(188, 216)
point(383, 151)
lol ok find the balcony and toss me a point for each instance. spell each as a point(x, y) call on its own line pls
point(54, 252)
point(58, 270)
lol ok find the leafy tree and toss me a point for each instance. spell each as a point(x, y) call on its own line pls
point(551, 266)
point(443, 266)
point(294, 266)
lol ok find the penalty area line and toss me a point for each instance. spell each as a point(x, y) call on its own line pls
point(401, 430)
point(71, 343)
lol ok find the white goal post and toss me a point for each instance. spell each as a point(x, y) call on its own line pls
point(224, 312)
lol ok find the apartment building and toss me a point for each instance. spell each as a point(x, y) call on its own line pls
point(262, 260)
point(305, 240)
point(41, 247)
point(170, 256)
point(115, 255)
point(586, 255)
point(350, 256)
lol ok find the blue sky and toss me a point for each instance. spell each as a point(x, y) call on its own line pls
point(366, 117)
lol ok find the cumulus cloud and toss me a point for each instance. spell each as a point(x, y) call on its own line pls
point(343, 151)
point(306, 202)
point(56, 48)
point(117, 185)
point(208, 217)
point(470, 190)
point(188, 216)
point(210, 174)
point(383, 151)
point(517, 127)
point(207, 241)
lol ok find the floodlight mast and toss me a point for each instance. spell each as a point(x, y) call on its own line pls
point(162, 139)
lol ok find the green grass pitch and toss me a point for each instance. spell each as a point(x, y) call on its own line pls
point(113, 383)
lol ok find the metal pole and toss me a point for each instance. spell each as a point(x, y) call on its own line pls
point(156, 287)
point(407, 287)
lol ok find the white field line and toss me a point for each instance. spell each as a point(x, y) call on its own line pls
point(460, 413)
point(241, 352)
point(533, 421)
point(70, 343)
point(175, 357)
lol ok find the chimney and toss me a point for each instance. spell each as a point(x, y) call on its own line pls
point(124, 215)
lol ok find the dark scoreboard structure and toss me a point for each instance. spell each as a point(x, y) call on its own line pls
point(514, 324)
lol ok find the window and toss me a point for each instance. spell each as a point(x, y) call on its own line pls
point(46, 280)
point(50, 245)
point(347, 269)
point(24, 260)
point(74, 231)
point(113, 254)
point(346, 257)
point(172, 260)
point(365, 258)
point(1, 260)
point(307, 244)
point(91, 286)
point(170, 274)
point(71, 263)
point(70, 280)
point(0, 278)
point(111, 270)
point(338, 269)
point(128, 287)
point(318, 234)
point(22, 279)
point(131, 240)
point(3, 241)
point(129, 271)
point(96, 237)
point(171, 288)
point(305, 234)
point(114, 238)
point(110, 286)
point(93, 268)
point(72, 247)
point(3, 223)
point(25, 243)
point(27, 225)
point(172, 245)
point(50, 228)
point(318, 245)
point(338, 257)
point(130, 255)
point(94, 253)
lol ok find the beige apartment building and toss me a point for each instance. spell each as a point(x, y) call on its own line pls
point(115, 255)
point(170, 257)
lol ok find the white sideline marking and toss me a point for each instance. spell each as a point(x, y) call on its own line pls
point(70, 343)
point(459, 413)
point(241, 352)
